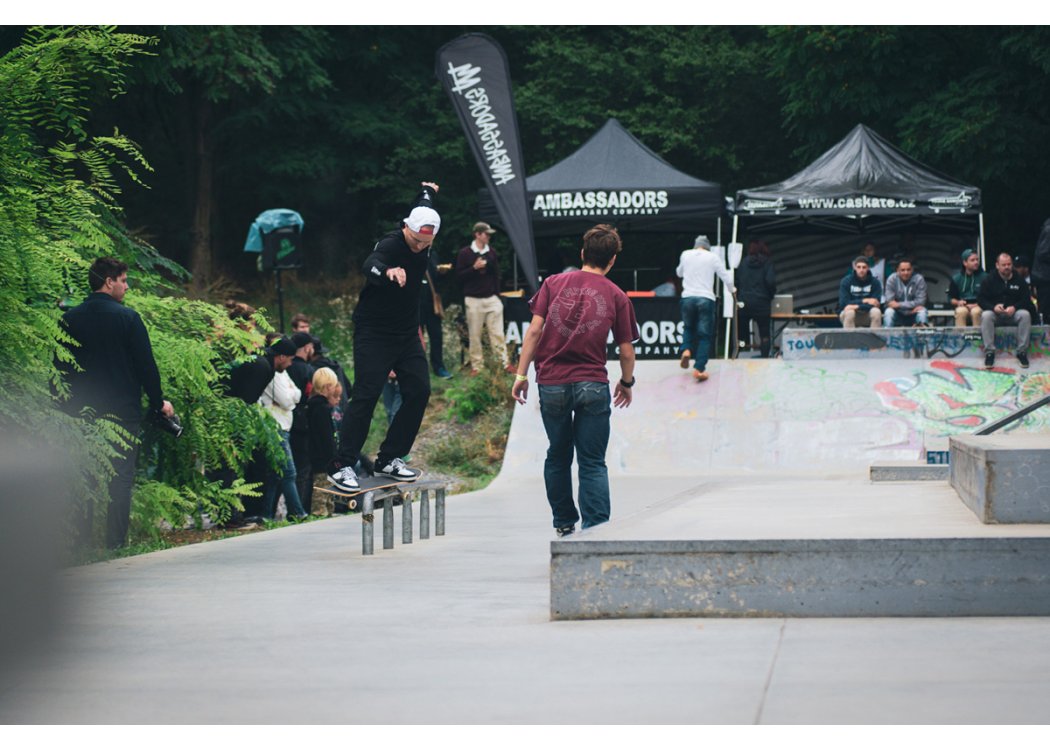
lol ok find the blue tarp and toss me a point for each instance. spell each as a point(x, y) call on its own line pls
point(266, 222)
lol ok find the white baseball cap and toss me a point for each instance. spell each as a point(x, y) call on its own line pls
point(423, 220)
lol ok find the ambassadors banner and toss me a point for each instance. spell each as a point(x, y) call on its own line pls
point(474, 72)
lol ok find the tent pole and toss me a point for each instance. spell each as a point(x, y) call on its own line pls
point(718, 233)
point(735, 220)
point(729, 321)
point(980, 222)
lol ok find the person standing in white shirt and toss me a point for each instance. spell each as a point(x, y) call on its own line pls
point(697, 268)
point(279, 399)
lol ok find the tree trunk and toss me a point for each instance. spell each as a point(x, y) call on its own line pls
point(200, 250)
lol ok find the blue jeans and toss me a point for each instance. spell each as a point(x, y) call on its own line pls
point(892, 317)
point(698, 325)
point(576, 418)
point(283, 480)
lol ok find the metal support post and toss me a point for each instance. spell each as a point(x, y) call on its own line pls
point(388, 521)
point(367, 525)
point(424, 514)
point(406, 517)
point(439, 512)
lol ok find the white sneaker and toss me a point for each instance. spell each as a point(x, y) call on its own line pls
point(396, 469)
point(345, 479)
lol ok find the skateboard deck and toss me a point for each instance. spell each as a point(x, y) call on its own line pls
point(368, 484)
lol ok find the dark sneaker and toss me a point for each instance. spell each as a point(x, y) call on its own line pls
point(1022, 357)
point(442, 373)
point(989, 360)
point(396, 469)
point(345, 479)
point(565, 531)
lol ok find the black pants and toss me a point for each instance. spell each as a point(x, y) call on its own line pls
point(763, 320)
point(375, 355)
point(118, 515)
point(431, 323)
point(304, 476)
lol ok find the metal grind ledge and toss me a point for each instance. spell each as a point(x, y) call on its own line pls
point(921, 577)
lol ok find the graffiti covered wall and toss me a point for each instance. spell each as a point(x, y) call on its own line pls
point(820, 418)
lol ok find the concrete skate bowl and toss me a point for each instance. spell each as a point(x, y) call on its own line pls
point(820, 417)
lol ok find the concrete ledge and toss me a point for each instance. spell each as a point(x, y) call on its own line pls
point(923, 577)
point(1003, 478)
point(907, 471)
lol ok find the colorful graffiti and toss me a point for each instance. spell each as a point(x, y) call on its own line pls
point(918, 343)
point(951, 398)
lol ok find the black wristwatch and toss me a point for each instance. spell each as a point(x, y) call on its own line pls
point(625, 384)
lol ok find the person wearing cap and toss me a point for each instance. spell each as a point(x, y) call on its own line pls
point(1005, 300)
point(697, 269)
point(478, 272)
point(279, 398)
point(859, 295)
point(115, 366)
point(963, 288)
point(386, 337)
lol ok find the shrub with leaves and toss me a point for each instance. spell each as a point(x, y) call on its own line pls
point(58, 212)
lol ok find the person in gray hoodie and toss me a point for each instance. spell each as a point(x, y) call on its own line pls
point(906, 296)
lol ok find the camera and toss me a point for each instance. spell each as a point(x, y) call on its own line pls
point(170, 424)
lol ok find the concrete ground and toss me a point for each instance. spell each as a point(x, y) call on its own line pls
point(296, 626)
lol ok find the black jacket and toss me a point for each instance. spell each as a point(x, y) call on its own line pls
point(322, 431)
point(301, 372)
point(115, 358)
point(384, 306)
point(756, 284)
point(1013, 292)
point(249, 379)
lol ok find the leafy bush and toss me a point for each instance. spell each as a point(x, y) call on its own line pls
point(58, 212)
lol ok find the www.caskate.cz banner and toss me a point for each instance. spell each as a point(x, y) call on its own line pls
point(473, 70)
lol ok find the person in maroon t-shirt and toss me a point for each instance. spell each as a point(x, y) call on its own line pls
point(572, 316)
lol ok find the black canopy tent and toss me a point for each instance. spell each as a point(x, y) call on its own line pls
point(862, 185)
point(614, 178)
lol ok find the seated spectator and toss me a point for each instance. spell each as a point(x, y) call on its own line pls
point(906, 296)
point(1005, 300)
point(963, 288)
point(877, 266)
point(859, 294)
point(323, 430)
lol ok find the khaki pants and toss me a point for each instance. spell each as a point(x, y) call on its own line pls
point(851, 318)
point(964, 312)
point(485, 312)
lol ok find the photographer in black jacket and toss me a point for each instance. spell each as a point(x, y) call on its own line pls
point(116, 365)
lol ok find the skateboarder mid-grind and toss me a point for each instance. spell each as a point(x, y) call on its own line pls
point(572, 315)
point(386, 338)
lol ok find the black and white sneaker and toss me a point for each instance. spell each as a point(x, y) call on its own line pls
point(396, 469)
point(565, 531)
point(1022, 357)
point(344, 479)
point(989, 360)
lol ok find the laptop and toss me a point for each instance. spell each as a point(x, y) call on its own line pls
point(784, 304)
